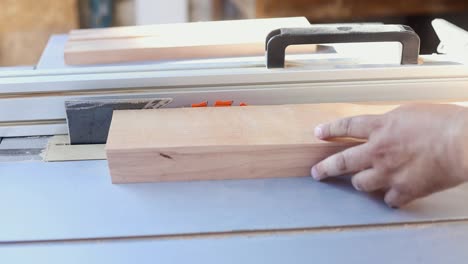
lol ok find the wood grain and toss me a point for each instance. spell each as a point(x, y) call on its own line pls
point(175, 41)
point(223, 143)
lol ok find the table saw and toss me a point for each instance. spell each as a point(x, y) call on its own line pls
point(69, 212)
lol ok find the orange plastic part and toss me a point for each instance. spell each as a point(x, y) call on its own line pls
point(202, 104)
point(223, 103)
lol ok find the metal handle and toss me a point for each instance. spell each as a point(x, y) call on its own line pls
point(278, 40)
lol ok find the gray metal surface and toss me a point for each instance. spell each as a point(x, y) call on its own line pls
point(16, 68)
point(23, 143)
point(22, 149)
point(434, 244)
point(52, 55)
point(70, 200)
point(89, 120)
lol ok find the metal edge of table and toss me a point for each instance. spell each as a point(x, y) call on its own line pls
point(431, 244)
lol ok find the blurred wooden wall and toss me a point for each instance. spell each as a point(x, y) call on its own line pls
point(340, 10)
point(25, 27)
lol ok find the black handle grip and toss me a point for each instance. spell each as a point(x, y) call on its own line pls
point(278, 40)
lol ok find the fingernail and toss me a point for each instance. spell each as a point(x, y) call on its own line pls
point(315, 174)
point(357, 187)
point(318, 131)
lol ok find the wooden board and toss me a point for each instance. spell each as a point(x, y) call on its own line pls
point(222, 143)
point(175, 41)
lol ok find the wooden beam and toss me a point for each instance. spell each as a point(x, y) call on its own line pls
point(214, 143)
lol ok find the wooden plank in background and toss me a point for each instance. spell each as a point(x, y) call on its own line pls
point(175, 41)
point(222, 143)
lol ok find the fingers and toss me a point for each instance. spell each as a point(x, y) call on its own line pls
point(355, 127)
point(366, 180)
point(348, 161)
point(369, 180)
point(396, 199)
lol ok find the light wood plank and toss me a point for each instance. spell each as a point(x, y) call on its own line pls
point(223, 143)
point(226, 27)
point(175, 41)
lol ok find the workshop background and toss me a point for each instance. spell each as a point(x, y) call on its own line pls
point(26, 25)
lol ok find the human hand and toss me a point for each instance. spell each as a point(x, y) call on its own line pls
point(410, 152)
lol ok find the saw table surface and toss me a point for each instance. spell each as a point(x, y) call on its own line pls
point(69, 212)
